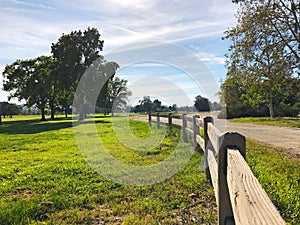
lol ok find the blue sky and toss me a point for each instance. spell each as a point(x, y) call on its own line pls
point(28, 27)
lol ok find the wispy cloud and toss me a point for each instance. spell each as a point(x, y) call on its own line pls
point(29, 4)
point(29, 27)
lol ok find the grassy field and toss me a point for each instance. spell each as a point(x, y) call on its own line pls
point(44, 179)
point(279, 175)
point(279, 121)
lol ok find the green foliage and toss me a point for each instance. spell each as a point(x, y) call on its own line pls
point(51, 81)
point(9, 109)
point(30, 80)
point(146, 105)
point(263, 60)
point(202, 104)
point(279, 121)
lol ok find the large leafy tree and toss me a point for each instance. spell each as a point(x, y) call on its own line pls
point(8, 109)
point(263, 61)
point(94, 88)
point(74, 53)
point(201, 104)
point(30, 80)
point(117, 93)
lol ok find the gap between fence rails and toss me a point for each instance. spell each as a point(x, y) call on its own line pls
point(240, 198)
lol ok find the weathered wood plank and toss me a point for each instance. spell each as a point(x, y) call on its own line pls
point(176, 116)
point(163, 115)
point(199, 122)
point(200, 141)
point(189, 131)
point(189, 118)
point(213, 168)
point(214, 134)
point(250, 203)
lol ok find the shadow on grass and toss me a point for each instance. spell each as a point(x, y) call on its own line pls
point(35, 126)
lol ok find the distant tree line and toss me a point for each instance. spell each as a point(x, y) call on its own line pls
point(8, 110)
point(49, 82)
point(201, 104)
point(146, 105)
point(263, 63)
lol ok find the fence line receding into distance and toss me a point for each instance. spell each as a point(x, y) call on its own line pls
point(240, 198)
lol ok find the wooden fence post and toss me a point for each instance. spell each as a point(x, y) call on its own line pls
point(158, 120)
point(184, 125)
point(226, 140)
point(170, 120)
point(149, 119)
point(196, 131)
point(206, 120)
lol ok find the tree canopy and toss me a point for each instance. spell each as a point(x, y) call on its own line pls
point(51, 81)
point(263, 60)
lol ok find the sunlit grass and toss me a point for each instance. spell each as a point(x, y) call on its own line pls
point(279, 174)
point(44, 179)
point(279, 121)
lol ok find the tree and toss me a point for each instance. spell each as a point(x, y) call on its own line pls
point(263, 58)
point(29, 80)
point(201, 104)
point(8, 109)
point(156, 107)
point(74, 53)
point(117, 93)
point(146, 104)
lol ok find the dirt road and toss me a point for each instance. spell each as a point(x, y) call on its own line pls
point(284, 137)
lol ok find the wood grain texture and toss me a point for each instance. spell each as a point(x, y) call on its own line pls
point(250, 203)
point(214, 134)
point(200, 141)
point(199, 122)
point(213, 168)
point(189, 131)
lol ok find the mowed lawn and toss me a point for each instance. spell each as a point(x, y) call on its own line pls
point(44, 179)
point(278, 121)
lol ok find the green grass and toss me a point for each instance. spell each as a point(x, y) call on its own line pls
point(44, 179)
point(279, 121)
point(279, 175)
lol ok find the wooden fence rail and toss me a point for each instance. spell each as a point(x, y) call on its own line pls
point(240, 197)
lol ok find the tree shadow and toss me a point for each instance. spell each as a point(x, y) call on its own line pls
point(32, 126)
point(35, 126)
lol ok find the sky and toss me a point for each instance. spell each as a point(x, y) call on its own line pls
point(162, 31)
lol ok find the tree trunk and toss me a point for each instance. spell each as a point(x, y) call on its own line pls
point(52, 109)
point(0, 119)
point(66, 112)
point(271, 109)
point(43, 114)
point(52, 114)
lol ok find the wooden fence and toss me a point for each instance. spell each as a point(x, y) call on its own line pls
point(240, 198)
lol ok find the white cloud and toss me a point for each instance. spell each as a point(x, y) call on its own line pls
point(28, 28)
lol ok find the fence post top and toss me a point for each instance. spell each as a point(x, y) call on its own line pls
point(208, 119)
point(233, 135)
point(234, 140)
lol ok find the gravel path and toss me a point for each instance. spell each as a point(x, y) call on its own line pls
point(284, 137)
point(287, 138)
